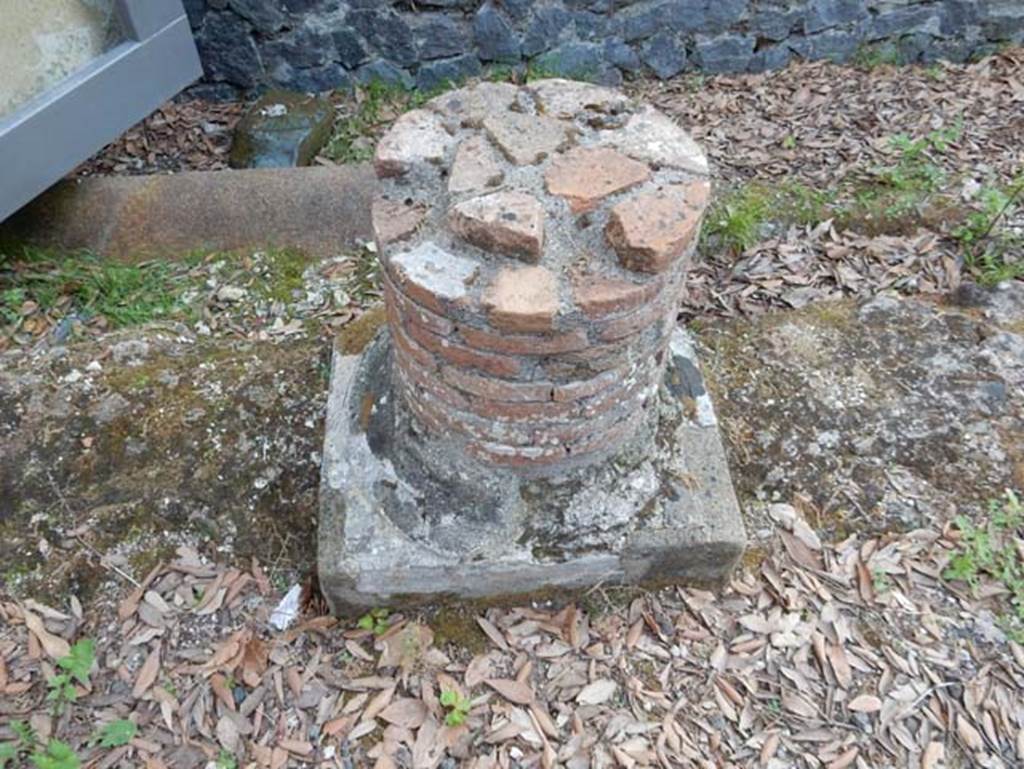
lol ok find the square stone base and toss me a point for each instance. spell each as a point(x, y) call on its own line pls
point(394, 533)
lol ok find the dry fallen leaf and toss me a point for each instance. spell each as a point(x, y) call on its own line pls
point(147, 674)
point(405, 712)
point(865, 703)
point(54, 646)
point(933, 755)
point(597, 693)
point(513, 691)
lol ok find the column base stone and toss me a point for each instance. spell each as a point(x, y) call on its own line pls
point(407, 519)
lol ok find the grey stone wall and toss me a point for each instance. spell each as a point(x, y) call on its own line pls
point(314, 45)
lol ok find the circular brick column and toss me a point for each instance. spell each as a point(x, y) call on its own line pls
point(533, 242)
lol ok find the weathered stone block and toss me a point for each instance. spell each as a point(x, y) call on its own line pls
point(543, 32)
point(495, 38)
point(392, 535)
point(439, 37)
point(447, 72)
point(578, 61)
point(825, 14)
point(664, 54)
point(282, 129)
point(728, 53)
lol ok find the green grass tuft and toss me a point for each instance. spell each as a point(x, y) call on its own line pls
point(85, 285)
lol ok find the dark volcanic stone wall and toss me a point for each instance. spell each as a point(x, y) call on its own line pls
point(314, 45)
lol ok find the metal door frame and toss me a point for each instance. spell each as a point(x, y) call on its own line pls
point(56, 130)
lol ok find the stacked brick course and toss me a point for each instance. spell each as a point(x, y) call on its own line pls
point(533, 241)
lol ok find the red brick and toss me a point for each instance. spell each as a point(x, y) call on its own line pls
point(433, 277)
point(522, 299)
point(568, 98)
point(608, 440)
point(526, 139)
point(510, 223)
point(598, 296)
point(553, 343)
point(635, 322)
point(626, 396)
point(394, 221)
point(406, 347)
point(523, 414)
point(416, 138)
point(650, 230)
point(476, 166)
point(585, 388)
point(469, 106)
point(497, 389)
point(491, 363)
point(511, 456)
point(565, 433)
point(448, 422)
point(584, 176)
point(407, 308)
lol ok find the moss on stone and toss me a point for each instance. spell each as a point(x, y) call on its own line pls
point(457, 625)
point(354, 337)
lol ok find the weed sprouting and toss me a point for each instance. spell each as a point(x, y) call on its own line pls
point(991, 549)
point(376, 621)
point(990, 249)
point(738, 218)
point(76, 667)
point(457, 708)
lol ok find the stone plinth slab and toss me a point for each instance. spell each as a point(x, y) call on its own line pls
point(391, 534)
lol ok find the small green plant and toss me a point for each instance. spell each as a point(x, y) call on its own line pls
point(789, 142)
point(11, 301)
point(880, 581)
point(737, 218)
point(226, 761)
point(550, 65)
point(874, 56)
point(24, 732)
point(57, 755)
point(115, 734)
point(990, 549)
point(500, 73)
point(457, 708)
point(76, 666)
point(986, 245)
point(376, 620)
point(25, 742)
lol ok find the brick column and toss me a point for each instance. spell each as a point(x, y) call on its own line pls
point(533, 242)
